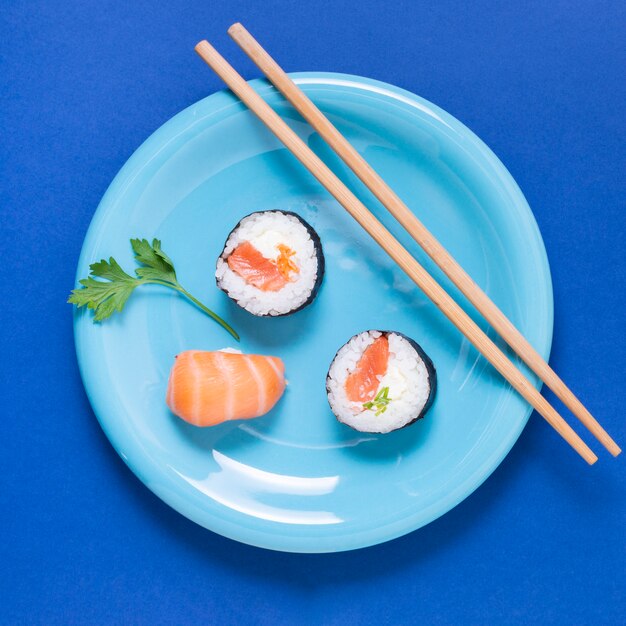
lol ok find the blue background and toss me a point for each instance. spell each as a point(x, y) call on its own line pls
point(82, 84)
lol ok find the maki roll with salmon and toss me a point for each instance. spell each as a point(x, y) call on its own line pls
point(272, 263)
point(380, 381)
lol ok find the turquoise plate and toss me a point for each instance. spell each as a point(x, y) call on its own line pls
point(296, 479)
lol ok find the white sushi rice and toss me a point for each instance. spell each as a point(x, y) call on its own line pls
point(265, 231)
point(407, 378)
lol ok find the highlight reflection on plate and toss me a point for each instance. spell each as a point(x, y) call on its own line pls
point(296, 479)
point(241, 487)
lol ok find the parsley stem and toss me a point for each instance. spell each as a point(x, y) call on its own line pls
point(210, 313)
point(199, 304)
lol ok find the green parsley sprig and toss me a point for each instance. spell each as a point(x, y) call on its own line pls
point(110, 295)
point(380, 402)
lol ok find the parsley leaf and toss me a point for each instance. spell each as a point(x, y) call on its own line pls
point(110, 295)
point(157, 265)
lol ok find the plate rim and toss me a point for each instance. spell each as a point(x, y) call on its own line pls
point(371, 536)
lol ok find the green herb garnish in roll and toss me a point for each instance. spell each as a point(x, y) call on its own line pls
point(380, 402)
point(110, 295)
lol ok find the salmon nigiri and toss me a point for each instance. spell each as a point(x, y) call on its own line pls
point(207, 388)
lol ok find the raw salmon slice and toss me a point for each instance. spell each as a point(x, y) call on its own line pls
point(362, 383)
point(255, 269)
point(207, 388)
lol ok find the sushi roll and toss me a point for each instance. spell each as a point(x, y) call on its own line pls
point(272, 263)
point(380, 381)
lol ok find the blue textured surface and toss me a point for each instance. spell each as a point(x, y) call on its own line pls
point(83, 541)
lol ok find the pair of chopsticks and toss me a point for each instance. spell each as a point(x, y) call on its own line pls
point(395, 250)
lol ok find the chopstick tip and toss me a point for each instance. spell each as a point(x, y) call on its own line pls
point(235, 28)
point(202, 46)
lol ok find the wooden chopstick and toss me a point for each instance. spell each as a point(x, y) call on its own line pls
point(392, 246)
point(388, 198)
